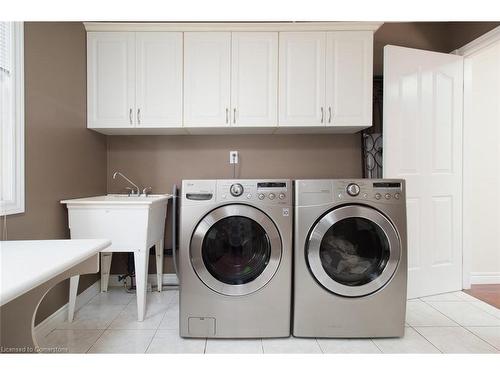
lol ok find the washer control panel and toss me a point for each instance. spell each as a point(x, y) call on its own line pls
point(274, 192)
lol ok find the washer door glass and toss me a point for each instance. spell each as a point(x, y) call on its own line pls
point(353, 250)
point(236, 250)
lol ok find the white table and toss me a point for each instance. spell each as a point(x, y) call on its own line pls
point(133, 224)
point(29, 269)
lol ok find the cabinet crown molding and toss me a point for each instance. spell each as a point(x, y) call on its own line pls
point(232, 26)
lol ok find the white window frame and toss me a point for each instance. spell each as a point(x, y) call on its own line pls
point(12, 134)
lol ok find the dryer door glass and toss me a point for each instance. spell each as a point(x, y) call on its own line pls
point(354, 251)
point(236, 250)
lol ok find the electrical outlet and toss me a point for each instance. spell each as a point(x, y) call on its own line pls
point(233, 157)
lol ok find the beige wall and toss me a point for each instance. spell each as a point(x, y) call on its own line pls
point(160, 161)
point(461, 33)
point(63, 158)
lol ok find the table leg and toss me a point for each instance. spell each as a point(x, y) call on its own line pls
point(17, 316)
point(105, 269)
point(141, 260)
point(159, 264)
point(73, 292)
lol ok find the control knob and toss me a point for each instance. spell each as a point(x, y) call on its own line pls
point(236, 190)
point(353, 189)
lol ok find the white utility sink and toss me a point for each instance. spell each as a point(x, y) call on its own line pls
point(119, 199)
point(132, 223)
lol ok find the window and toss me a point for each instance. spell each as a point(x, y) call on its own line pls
point(11, 118)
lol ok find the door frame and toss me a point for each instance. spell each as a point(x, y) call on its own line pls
point(484, 41)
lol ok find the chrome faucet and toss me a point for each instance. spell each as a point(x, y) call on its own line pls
point(135, 191)
point(146, 191)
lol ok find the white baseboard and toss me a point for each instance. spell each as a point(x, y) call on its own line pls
point(49, 323)
point(485, 277)
point(168, 278)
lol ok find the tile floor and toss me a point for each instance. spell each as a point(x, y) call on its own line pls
point(446, 323)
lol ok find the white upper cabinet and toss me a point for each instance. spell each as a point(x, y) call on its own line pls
point(207, 78)
point(349, 71)
point(326, 79)
point(111, 79)
point(217, 78)
point(159, 79)
point(254, 79)
point(134, 79)
point(302, 78)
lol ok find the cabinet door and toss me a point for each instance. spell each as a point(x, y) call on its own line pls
point(349, 78)
point(302, 79)
point(254, 78)
point(207, 78)
point(110, 79)
point(159, 79)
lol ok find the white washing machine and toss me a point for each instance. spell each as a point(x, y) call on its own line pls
point(350, 258)
point(235, 258)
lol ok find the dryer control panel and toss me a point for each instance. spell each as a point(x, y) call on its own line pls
point(312, 192)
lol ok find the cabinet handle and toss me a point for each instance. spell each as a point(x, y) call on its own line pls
point(322, 114)
point(227, 115)
point(130, 116)
point(329, 115)
point(234, 115)
point(139, 116)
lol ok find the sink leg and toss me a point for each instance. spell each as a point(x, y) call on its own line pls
point(105, 270)
point(73, 291)
point(159, 264)
point(141, 259)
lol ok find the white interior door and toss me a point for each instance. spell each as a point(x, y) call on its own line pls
point(423, 144)
point(207, 78)
point(159, 79)
point(110, 79)
point(254, 78)
point(349, 83)
point(302, 78)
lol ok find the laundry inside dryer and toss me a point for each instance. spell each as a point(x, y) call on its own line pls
point(354, 251)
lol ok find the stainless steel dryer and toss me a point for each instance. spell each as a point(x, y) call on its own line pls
point(350, 258)
point(235, 258)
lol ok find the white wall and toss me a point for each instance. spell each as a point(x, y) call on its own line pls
point(481, 164)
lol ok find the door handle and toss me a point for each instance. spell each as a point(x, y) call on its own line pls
point(322, 114)
point(227, 115)
point(139, 116)
point(234, 115)
point(329, 115)
point(130, 116)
